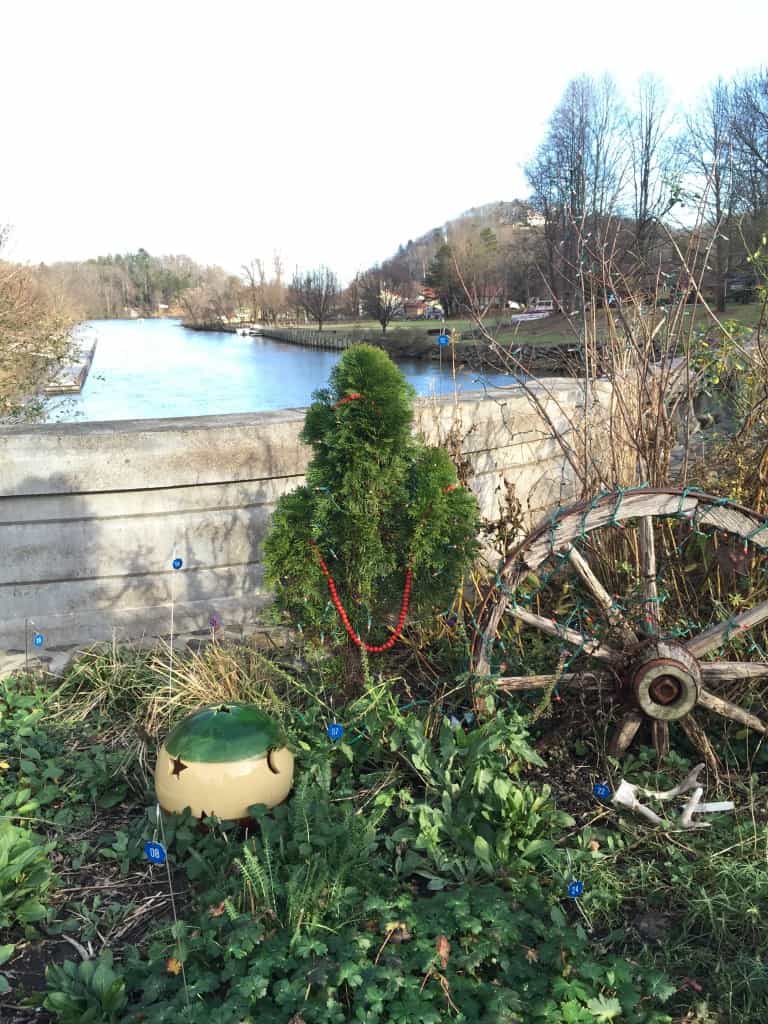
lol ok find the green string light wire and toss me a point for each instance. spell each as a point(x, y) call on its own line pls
point(614, 520)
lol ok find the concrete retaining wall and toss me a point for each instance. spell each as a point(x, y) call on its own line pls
point(92, 514)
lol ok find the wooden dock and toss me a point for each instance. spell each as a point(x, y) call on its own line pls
point(70, 379)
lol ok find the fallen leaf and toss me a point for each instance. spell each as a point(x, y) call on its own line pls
point(217, 911)
point(691, 983)
point(594, 846)
point(443, 947)
point(4, 766)
point(172, 965)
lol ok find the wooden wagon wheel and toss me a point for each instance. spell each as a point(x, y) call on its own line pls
point(656, 674)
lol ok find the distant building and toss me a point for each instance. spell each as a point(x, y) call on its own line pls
point(414, 308)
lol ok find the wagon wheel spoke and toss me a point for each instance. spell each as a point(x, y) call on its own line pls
point(690, 726)
point(571, 636)
point(588, 680)
point(716, 636)
point(612, 612)
point(726, 709)
point(724, 671)
point(661, 737)
point(625, 732)
point(648, 574)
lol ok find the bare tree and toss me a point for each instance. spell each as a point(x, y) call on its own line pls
point(351, 300)
point(378, 298)
point(711, 159)
point(35, 328)
point(253, 273)
point(576, 176)
point(750, 126)
point(750, 146)
point(652, 161)
point(315, 291)
point(213, 301)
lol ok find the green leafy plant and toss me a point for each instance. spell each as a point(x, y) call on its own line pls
point(6, 952)
point(474, 820)
point(25, 875)
point(377, 503)
point(91, 992)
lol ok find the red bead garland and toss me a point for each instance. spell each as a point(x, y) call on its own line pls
point(342, 612)
point(349, 398)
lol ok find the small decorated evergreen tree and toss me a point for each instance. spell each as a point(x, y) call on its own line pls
point(381, 530)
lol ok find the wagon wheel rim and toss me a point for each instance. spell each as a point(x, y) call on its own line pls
point(666, 680)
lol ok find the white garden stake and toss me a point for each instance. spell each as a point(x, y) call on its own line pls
point(626, 795)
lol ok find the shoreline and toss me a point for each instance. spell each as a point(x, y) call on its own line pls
point(417, 345)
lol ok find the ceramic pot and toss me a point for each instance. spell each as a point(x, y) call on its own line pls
point(221, 760)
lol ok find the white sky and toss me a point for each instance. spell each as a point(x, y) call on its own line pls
point(332, 131)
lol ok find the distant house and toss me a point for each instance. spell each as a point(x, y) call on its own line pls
point(414, 308)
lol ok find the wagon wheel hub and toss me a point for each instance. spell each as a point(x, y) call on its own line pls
point(665, 690)
point(665, 681)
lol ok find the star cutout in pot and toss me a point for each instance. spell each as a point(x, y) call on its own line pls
point(178, 766)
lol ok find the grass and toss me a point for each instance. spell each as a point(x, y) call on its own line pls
point(550, 331)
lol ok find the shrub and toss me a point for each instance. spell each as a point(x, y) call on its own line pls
point(376, 503)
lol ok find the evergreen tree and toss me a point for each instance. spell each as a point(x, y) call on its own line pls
point(441, 275)
point(381, 513)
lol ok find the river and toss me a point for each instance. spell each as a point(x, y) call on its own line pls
point(156, 368)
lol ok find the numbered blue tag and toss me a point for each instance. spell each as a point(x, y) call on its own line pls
point(575, 889)
point(443, 339)
point(38, 640)
point(177, 563)
point(335, 731)
point(155, 853)
point(601, 791)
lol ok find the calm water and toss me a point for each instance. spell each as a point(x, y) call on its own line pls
point(154, 368)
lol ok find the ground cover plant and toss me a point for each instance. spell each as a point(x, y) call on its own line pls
point(419, 871)
point(412, 875)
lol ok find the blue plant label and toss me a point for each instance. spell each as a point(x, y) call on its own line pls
point(335, 731)
point(601, 791)
point(443, 339)
point(575, 889)
point(155, 853)
point(177, 563)
point(38, 640)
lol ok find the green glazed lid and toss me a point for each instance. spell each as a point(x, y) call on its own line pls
point(224, 732)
